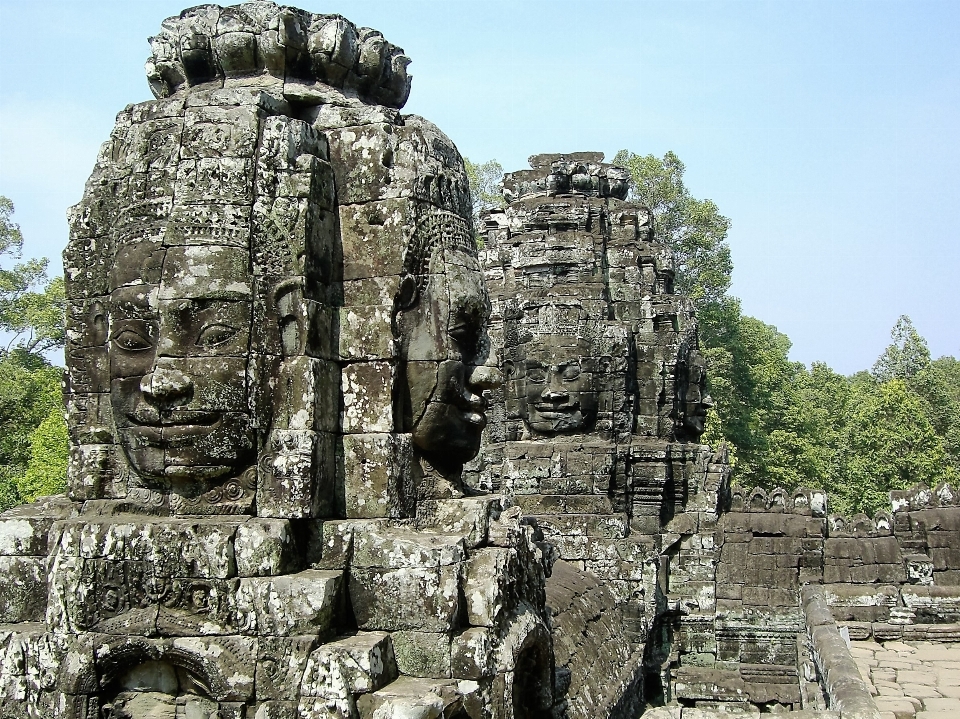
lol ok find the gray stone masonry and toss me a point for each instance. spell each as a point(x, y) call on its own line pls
point(335, 453)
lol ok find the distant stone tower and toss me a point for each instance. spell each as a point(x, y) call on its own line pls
point(598, 423)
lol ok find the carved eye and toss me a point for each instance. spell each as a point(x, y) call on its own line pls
point(536, 374)
point(131, 341)
point(213, 335)
point(571, 371)
point(465, 336)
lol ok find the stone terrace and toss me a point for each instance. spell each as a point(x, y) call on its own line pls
point(911, 679)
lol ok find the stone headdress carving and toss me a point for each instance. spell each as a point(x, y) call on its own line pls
point(211, 43)
point(439, 230)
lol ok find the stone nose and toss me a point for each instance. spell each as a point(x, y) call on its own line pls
point(166, 387)
point(482, 377)
point(554, 389)
point(553, 393)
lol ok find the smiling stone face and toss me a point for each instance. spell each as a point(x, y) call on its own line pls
point(179, 337)
point(558, 385)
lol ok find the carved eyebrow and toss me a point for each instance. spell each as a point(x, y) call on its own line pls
point(202, 304)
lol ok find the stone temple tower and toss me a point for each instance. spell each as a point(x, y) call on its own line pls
point(275, 366)
point(596, 429)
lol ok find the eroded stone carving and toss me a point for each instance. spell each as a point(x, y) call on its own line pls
point(284, 352)
point(276, 363)
point(441, 313)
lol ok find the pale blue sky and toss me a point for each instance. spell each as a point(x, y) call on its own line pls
point(829, 132)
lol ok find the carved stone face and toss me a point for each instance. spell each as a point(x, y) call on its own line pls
point(179, 337)
point(559, 386)
point(443, 333)
point(695, 403)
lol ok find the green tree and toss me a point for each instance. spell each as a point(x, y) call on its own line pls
point(890, 444)
point(33, 443)
point(938, 387)
point(907, 355)
point(29, 394)
point(31, 305)
point(753, 383)
point(46, 471)
point(824, 396)
point(484, 179)
point(694, 228)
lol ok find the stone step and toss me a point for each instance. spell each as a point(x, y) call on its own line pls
point(410, 697)
point(358, 663)
point(290, 604)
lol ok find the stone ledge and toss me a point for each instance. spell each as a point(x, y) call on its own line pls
point(846, 689)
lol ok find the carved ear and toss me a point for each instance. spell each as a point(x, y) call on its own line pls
point(409, 292)
point(98, 323)
point(508, 369)
point(286, 299)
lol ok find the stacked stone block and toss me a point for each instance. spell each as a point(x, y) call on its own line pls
point(735, 637)
point(251, 527)
point(608, 466)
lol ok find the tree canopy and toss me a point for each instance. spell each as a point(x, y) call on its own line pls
point(485, 179)
point(33, 433)
point(31, 304)
point(905, 356)
point(789, 425)
point(694, 228)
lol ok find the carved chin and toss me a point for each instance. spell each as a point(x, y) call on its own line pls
point(152, 462)
point(195, 474)
point(447, 434)
point(555, 422)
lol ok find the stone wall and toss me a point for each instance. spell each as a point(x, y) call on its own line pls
point(875, 576)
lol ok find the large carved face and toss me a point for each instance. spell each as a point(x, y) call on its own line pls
point(559, 389)
point(179, 338)
point(443, 332)
point(695, 402)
